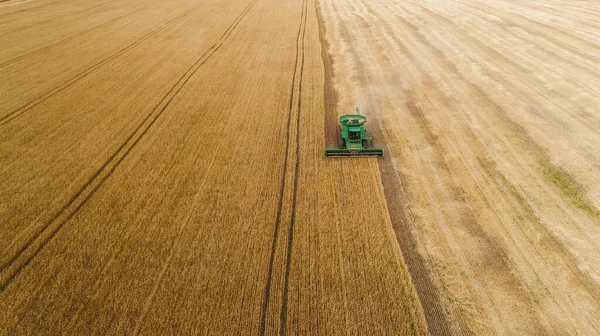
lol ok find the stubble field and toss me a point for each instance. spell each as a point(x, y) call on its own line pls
point(490, 115)
point(162, 169)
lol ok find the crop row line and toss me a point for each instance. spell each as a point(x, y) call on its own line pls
point(37, 242)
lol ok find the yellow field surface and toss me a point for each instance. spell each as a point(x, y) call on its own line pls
point(162, 172)
point(490, 115)
point(162, 168)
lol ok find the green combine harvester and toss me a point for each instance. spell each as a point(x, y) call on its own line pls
point(354, 140)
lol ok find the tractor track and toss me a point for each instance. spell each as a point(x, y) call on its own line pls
point(284, 304)
point(11, 269)
point(14, 114)
point(67, 39)
point(266, 298)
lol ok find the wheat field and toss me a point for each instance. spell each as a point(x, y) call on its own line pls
point(162, 167)
point(163, 172)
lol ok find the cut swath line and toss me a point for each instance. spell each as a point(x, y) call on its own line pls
point(13, 267)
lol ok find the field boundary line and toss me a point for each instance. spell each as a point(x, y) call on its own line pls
point(64, 85)
point(9, 270)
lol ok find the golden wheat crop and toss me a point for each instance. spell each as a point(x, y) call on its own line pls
point(162, 172)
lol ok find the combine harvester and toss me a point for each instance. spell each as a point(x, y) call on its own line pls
point(354, 140)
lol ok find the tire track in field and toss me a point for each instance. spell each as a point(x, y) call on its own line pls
point(67, 39)
point(12, 268)
point(284, 304)
point(64, 85)
point(299, 60)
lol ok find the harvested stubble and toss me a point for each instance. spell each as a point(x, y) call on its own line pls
point(489, 112)
point(145, 185)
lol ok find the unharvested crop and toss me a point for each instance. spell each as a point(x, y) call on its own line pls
point(162, 171)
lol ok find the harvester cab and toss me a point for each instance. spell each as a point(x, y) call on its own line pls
point(354, 140)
